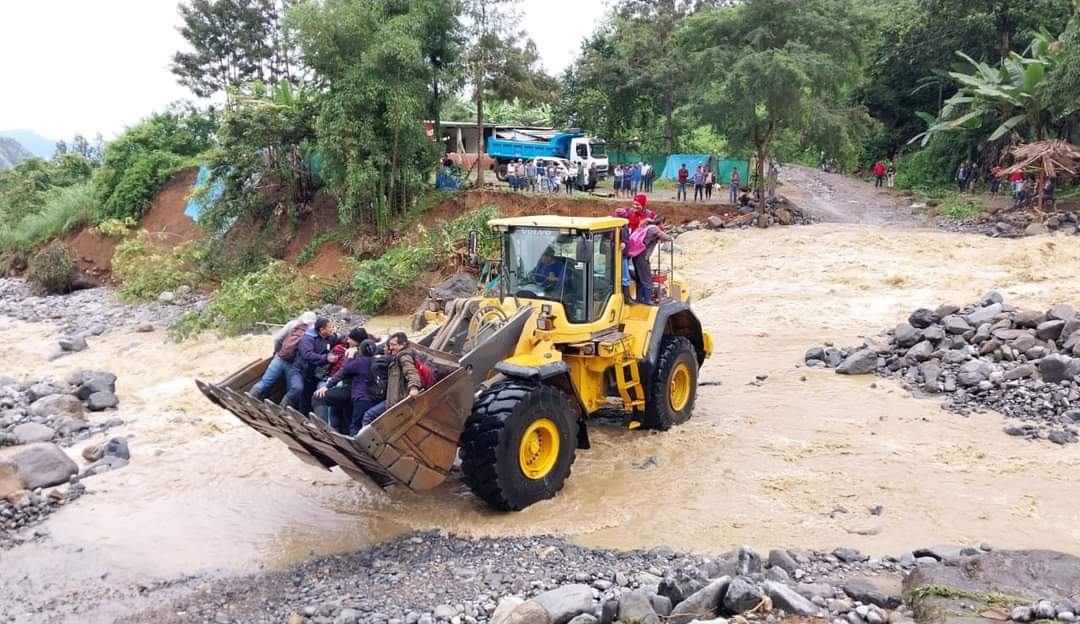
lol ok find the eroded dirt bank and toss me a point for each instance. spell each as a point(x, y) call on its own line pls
point(785, 463)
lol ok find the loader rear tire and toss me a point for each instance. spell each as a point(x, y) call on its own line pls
point(673, 389)
point(518, 444)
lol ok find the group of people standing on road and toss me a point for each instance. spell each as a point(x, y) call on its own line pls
point(347, 381)
point(547, 176)
point(884, 173)
point(704, 179)
point(631, 178)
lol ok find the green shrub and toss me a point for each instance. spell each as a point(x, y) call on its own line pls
point(141, 160)
point(115, 228)
point(375, 280)
point(447, 238)
point(269, 295)
point(145, 268)
point(65, 209)
point(960, 207)
point(51, 270)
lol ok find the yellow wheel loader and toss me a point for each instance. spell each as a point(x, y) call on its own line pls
point(519, 373)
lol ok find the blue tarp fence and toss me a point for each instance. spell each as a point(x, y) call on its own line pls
point(198, 204)
point(721, 166)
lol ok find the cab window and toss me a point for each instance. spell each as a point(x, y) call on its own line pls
point(603, 269)
point(582, 150)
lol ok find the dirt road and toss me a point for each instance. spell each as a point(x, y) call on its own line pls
point(834, 198)
point(797, 461)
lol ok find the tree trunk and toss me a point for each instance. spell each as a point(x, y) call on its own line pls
point(758, 190)
point(436, 109)
point(480, 131)
point(669, 125)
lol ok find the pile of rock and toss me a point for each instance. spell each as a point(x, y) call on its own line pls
point(779, 211)
point(1015, 224)
point(1024, 364)
point(90, 312)
point(56, 411)
point(342, 318)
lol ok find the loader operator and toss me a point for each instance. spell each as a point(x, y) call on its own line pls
point(550, 270)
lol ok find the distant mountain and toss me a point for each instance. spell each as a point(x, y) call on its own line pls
point(33, 142)
point(12, 153)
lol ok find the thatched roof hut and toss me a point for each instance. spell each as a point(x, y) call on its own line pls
point(1054, 158)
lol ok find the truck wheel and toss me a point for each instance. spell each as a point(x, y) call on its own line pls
point(518, 444)
point(500, 172)
point(674, 385)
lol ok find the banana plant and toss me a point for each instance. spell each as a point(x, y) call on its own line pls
point(1004, 98)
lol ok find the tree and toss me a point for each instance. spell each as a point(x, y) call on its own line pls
point(367, 57)
point(443, 42)
point(773, 65)
point(497, 66)
point(908, 71)
point(233, 42)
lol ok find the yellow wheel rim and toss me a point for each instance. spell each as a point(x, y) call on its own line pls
point(680, 387)
point(539, 449)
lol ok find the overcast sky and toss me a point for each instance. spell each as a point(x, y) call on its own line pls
point(70, 66)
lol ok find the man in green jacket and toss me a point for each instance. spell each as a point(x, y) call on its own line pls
point(402, 378)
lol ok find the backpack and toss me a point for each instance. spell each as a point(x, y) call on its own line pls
point(635, 245)
point(377, 377)
point(423, 368)
point(289, 345)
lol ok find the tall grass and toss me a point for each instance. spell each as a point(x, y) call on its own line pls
point(65, 209)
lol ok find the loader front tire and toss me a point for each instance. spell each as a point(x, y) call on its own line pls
point(518, 444)
point(673, 389)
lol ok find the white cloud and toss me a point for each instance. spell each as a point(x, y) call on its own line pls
point(97, 66)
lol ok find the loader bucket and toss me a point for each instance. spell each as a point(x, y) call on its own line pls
point(413, 444)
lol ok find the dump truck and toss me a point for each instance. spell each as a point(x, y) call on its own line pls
point(519, 372)
point(508, 146)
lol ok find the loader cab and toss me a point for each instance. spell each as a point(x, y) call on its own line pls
point(570, 262)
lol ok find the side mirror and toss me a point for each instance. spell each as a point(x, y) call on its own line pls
point(584, 250)
point(474, 238)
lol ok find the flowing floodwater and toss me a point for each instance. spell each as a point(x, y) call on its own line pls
point(798, 460)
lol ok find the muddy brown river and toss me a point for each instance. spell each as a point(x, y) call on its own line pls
point(797, 461)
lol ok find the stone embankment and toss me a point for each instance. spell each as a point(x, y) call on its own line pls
point(1015, 224)
point(992, 355)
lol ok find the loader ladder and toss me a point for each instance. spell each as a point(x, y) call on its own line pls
point(628, 378)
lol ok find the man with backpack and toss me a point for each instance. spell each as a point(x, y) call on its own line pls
point(312, 352)
point(407, 374)
point(286, 340)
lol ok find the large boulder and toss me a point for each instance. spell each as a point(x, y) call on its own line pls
point(529, 612)
point(72, 343)
point(636, 607)
point(939, 592)
point(566, 602)
point(505, 607)
point(983, 315)
point(100, 401)
point(783, 597)
point(702, 604)
point(678, 588)
point(44, 465)
point(1061, 312)
point(10, 479)
point(955, 325)
point(906, 335)
point(57, 405)
point(781, 559)
point(862, 362)
point(1055, 368)
point(923, 318)
point(883, 591)
point(1049, 330)
point(742, 595)
point(93, 381)
point(31, 432)
point(41, 390)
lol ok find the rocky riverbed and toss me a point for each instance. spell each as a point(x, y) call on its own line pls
point(38, 418)
point(989, 355)
point(92, 312)
point(1014, 224)
point(438, 578)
